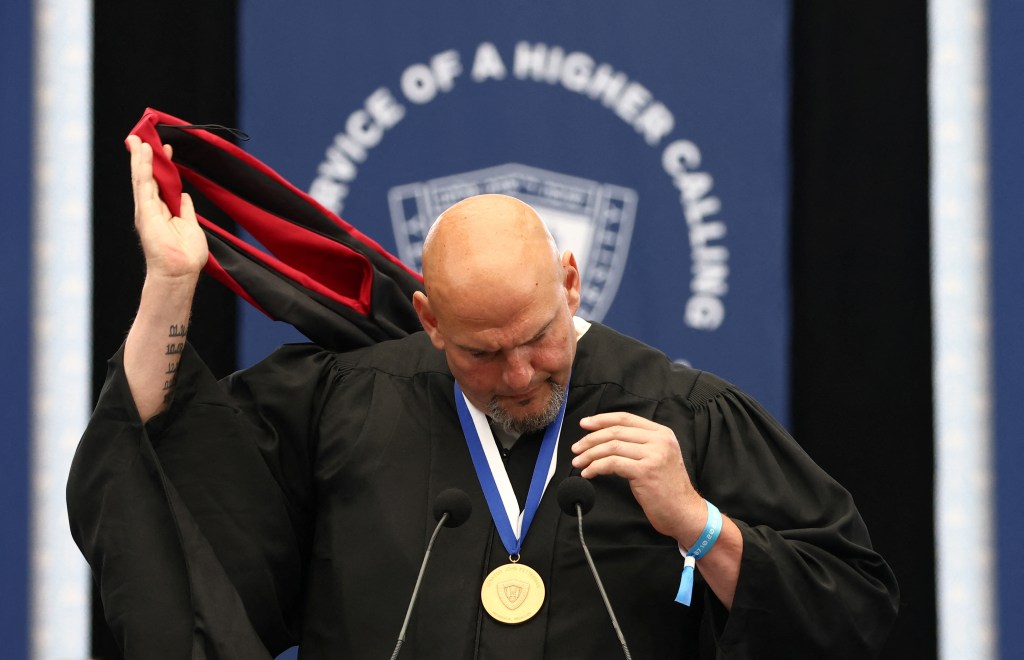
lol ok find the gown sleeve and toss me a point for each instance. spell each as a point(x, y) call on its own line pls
point(196, 524)
point(158, 509)
point(810, 584)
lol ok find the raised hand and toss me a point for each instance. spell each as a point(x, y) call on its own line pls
point(176, 251)
point(174, 246)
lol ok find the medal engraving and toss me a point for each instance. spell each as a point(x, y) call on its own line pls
point(512, 593)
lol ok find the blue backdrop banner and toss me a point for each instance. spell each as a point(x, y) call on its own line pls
point(16, 48)
point(651, 137)
point(1006, 137)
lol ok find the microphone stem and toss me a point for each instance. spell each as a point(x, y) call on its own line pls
point(600, 586)
point(416, 589)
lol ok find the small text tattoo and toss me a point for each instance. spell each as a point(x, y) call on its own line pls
point(174, 331)
point(169, 389)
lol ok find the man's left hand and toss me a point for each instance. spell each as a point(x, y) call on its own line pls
point(648, 456)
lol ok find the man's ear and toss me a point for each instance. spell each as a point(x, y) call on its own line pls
point(428, 320)
point(572, 283)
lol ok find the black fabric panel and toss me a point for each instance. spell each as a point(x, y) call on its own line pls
point(860, 272)
point(180, 57)
point(324, 321)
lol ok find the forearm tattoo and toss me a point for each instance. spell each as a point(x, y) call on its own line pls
point(174, 351)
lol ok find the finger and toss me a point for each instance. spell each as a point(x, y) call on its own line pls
point(627, 468)
point(136, 148)
point(629, 450)
point(168, 151)
point(134, 151)
point(188, 209)
point(624, 433)
point(619, 418)
point(143, 185)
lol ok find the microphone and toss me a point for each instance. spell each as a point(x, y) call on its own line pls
point(453, 503)
point(573, 492)
point(451, 508)
point(576, 498)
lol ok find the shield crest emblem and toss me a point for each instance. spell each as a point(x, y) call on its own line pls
point(593, 219)
point(513, 593)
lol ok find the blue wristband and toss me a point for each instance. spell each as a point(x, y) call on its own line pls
point(704, 543)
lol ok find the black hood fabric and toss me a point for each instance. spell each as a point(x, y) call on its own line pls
point(334, 284)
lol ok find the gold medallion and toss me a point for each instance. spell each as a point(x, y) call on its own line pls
point(512, 593)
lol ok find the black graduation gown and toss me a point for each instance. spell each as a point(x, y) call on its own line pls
point(293, 503)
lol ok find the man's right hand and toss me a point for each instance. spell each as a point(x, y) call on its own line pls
point(176, 250)
point(174, 246)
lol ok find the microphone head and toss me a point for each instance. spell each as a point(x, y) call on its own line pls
point(573, 491)
point(456, 504)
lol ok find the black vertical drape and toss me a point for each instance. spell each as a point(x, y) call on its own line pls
point(180, 57)
point(861, 366)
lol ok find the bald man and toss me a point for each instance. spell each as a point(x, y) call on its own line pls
point(294, 498)
point(513, 360)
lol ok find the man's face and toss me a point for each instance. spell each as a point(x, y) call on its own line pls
point(514, 367)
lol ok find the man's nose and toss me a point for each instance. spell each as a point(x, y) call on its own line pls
point(518, 370)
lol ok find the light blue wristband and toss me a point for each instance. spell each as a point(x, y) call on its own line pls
point(704, 543)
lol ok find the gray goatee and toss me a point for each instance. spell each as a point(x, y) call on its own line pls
point(529, 423)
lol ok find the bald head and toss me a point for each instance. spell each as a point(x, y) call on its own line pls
point(499, 302)
point(487, 248)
